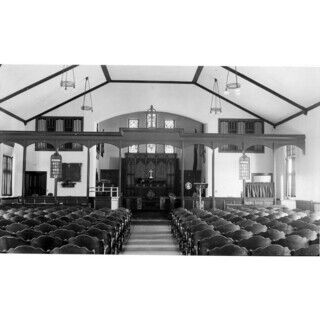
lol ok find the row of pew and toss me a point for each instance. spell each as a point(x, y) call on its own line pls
point(247, 230)
point(63, 229)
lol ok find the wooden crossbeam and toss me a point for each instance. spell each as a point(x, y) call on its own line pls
point(37, 83)
point(235, 104)
point(106, 73)
point(152, 81)
point(313, 106)
point(260, 85)
point(12, 115)
point(67, 101)
point(197, 74)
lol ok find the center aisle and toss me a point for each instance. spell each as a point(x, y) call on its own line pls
point(151, 234)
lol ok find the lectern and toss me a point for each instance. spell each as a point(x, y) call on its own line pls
point(200, 186)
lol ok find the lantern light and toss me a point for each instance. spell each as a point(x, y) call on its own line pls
point(56, 166)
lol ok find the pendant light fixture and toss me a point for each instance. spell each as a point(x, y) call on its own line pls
point(232, 85)
point(87, 98)
point(216, 105)
point(67, 79)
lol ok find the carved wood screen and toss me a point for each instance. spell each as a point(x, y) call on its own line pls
point(136, 172)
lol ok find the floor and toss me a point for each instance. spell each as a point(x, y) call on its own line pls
point(151, 235)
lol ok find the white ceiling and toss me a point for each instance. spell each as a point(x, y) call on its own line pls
point(300, 84)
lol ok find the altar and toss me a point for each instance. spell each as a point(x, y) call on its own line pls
point(148, 179)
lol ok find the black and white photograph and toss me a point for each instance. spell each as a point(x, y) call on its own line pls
point(159, 159)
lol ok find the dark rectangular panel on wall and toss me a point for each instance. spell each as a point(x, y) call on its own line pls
point(71, 172)
point(111, 176)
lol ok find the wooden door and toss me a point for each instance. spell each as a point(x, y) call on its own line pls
point(36, 183)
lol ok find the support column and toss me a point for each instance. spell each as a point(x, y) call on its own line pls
point(88, 173)
point(213, 176)
point(274, 175)
point(120, 171)
point(182, 175)
point(24, 162)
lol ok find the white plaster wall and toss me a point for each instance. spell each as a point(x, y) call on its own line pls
point(308, 165)
point(187, 100)
point(9, 123)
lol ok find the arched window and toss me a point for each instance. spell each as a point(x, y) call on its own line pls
point(151, 118)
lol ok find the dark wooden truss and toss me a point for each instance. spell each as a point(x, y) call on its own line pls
point(176, 137)
point(194, 81)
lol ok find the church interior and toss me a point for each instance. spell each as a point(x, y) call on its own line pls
point(169, 160)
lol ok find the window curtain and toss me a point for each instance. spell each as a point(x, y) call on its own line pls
point(7, 176)
point(42, 126)
point(77, 127)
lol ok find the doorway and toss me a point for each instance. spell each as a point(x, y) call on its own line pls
point(36, 183)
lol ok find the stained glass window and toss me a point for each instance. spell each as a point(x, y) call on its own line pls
point(133, 123)
point(168, 148)
point(151, 148)
point(133, 148)
point(151, 118)
point(169, 124)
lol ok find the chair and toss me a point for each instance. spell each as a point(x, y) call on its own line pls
point(228, 250)
point(200, 235)
point(273, 234)
point(255, 242)
point(313, 250)
point(91, 243)
point(45, 227)
point(71, 249)
point(5, 233)
point(83, 222)
point(74, 227)
point(31, 223)
point(206, 245)
point(46, 243)
point(15, 227)
point(17, 219)
point(63, 234)
point(246, 223)
point(293, 242)
point(263, 220)
point(306, 233)
point(4, 223)
point(228, 228)
point(102, 235)
point(272, 250)
point(25, 249)
point(28, 234)
point(257, 228)
point(239, 235)
point(8, 242)
point(58, 223)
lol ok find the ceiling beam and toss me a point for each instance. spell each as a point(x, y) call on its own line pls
point(197, 74)
point(313, 106)
point(12, 115)
point(235, 104)
point(106, 73)
point(260, 85)
point(67, 101)
point(152, 81)
point(37, 83)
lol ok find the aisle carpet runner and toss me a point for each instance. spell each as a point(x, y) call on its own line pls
point(151, 236)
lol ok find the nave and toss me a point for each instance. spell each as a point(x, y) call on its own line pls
point(151, 235)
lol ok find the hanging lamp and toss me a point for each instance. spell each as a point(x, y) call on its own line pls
point(232, 85)
point(215, 105)
point(67, 79)
point(87, 98)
